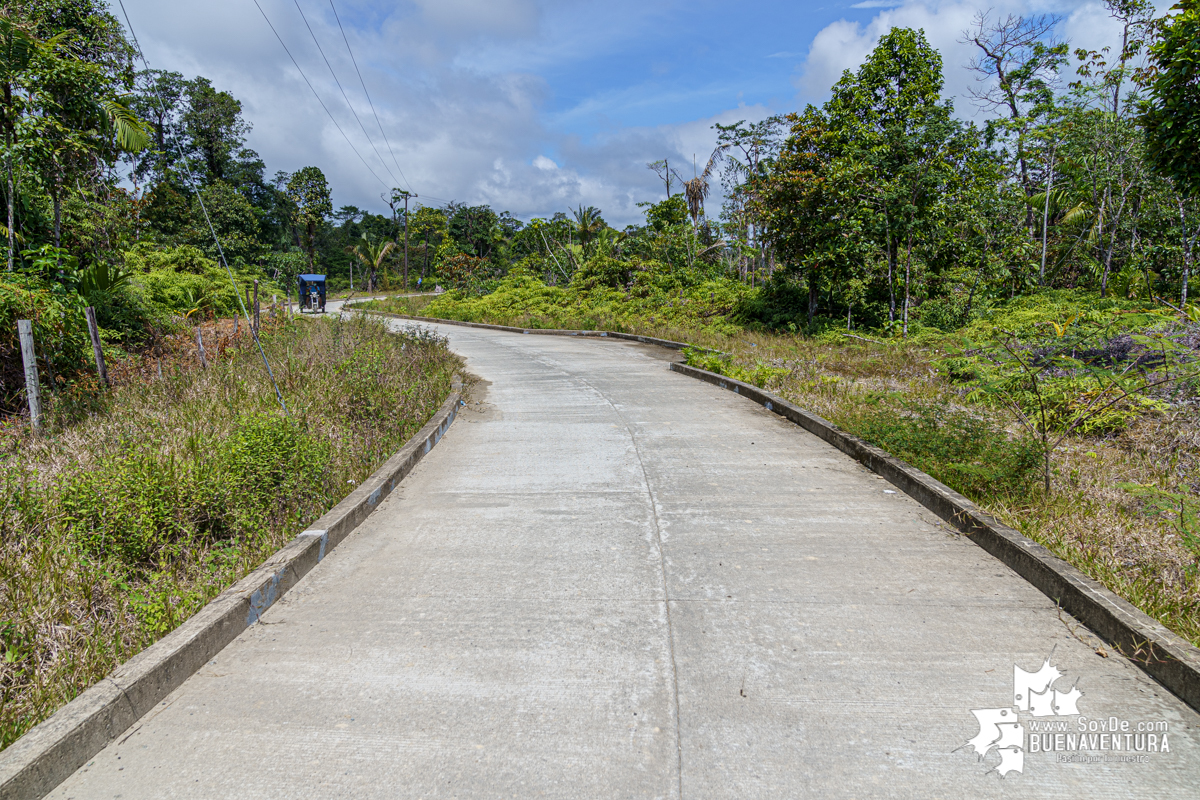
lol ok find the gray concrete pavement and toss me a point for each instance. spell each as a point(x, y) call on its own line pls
point(610, 580)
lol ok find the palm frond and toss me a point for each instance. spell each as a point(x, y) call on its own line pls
point(17, 46)
point(1078, 214)
point(132, 133)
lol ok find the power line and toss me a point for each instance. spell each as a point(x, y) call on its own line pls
point(319, 100)
point(207, 219)
point(368, 94)
point(321, 50)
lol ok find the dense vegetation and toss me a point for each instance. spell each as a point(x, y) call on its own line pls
point(119, 528)
point(143, 499)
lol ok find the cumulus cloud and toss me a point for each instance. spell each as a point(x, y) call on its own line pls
point(457, 127)
point(522, 104)
point(845, 44)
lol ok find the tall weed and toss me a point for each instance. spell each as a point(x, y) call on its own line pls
point(115, 530)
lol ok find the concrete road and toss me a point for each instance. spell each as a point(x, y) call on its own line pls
point(613, 581)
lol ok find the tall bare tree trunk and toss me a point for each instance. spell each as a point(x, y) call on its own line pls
point(907, 277)
point(8, 142)
point(1046, 221)
point(11, 241)
point(57, 208)
point(1189, 244)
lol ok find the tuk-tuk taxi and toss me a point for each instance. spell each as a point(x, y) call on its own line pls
point(312, 293)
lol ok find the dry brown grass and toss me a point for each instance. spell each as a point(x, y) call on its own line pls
point(1087, 519)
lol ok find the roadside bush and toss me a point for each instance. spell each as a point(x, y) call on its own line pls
point(655, 298)
point(118, 527)
point(963, 451)
point(947, 313)
point(128, 505)
point(58, 332)
point(180, 279)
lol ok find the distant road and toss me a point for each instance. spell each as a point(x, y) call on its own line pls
point(613, 581)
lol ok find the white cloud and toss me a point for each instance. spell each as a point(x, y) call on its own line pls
point(845, 44)
point(458, 131)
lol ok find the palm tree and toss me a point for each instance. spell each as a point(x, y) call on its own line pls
point(588, 223)
point(371, 254)
point(695, 191)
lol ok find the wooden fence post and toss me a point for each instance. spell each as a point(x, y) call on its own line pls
point(94, 333)
point(32, 389)
point(256, 319)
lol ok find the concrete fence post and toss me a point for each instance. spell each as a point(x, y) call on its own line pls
point(200, 347)
point(32, 387)
point(97, 351)
point(256, 317)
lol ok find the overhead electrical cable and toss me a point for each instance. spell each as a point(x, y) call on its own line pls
point(319, 100)
point(368, 94)
point(187, 172)
point(350, 105)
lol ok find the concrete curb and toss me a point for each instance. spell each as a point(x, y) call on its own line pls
point(49, 753)
point(540, 331)
point(1171, 660)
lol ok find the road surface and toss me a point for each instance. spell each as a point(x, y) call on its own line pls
point(613, 581)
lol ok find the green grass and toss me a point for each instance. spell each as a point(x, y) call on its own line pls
point(651, 301)
point(115, 530)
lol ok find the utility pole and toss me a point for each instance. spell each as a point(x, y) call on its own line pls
point(396, 196)
point(406, 196)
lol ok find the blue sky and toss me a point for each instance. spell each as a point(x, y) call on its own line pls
point(531, 106)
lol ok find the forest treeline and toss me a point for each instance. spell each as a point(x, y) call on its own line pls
point(879, 209)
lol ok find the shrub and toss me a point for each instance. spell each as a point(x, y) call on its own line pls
point(968, 453)
point(180, 279)
point(947, 313)
point(128, 505)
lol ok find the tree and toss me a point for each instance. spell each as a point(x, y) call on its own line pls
point(213, 126)
point(662, 169)
point(588, 223)
point(83, 118)
point(475, 229)
point(233, 220)
point(371, 254)
point(428, 225)
point(309, 193)
point(747, 152)
point(156, 99)
point(808, 203)
point(17, 48)
point(890, 117)
point(1137, 23)
point(1018, 62)
point(1171, 117)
